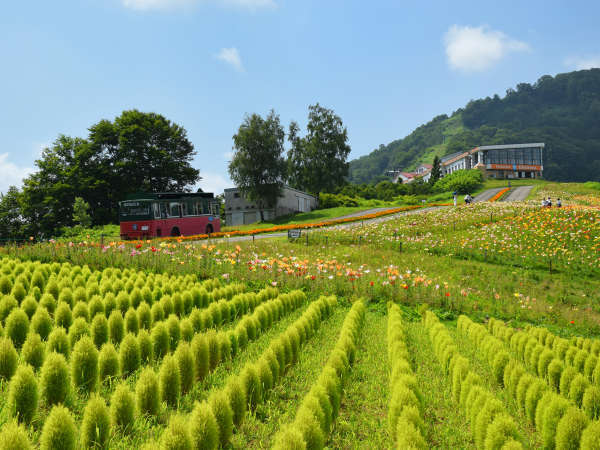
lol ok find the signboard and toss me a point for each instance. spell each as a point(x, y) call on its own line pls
point(294, 234)
point(514, 167)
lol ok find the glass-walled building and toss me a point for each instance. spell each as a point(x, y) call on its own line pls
point(510, 161)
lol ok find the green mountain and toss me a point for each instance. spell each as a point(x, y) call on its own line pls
point(562, 111)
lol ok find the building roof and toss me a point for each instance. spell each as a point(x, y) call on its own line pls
point(427, 166)
point(508, 146)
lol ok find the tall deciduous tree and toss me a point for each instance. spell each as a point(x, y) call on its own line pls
point(436, 171)
point(317, 161)
point(258, 167)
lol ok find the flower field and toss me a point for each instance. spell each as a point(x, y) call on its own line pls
point(467, 327)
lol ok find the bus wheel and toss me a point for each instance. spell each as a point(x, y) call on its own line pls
point(209, 229)
point(175, 232)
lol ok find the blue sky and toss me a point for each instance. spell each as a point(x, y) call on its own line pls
point(385, 67)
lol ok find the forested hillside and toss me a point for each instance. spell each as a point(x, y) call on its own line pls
point(562, 111)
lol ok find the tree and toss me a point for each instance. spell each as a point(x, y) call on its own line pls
point(80, 212)
point(258, 167)
point(317, 162)
point(136, 152)
point(11, 220)
point(436, 171)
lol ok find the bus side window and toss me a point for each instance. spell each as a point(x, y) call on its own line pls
point(184, 211)
point(156, 210)
point(163, 210)
point(174, 209)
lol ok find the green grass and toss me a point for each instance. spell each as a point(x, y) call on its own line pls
point(447, 427)
point(362, 421)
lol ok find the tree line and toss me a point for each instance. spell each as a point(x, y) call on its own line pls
point(315, 162)
point(81, 180)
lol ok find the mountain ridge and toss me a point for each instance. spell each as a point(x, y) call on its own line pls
point(563, 111)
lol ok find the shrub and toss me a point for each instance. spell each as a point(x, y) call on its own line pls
point(590, 438)
point(252, 387)
point(95, 427)
point(203, 428)
point(63, 316)
point(96, 307)
point(566, 378)
point(14, 437)
point(129, 355)
point(78, 329)
point(123, 302)
point(543, 363)
point(264, 374)
point(160, 340)
point(144, 314)
point(289, 438)
point(554, 410)
point(81, 310)
point(8, 358)
point(33, 351)
point(147, 393)
point(55, 379)
point(110, 304)
point(23, 394)
point(401, 396)
point(185, 362)
point(131, 321)
point(577, 388)
point(461, 181)
point(498, 365)
point(570, 428)
point(591, 402)
point(157, 313)
point(59, 430)
point(116, 327)
point(177, 435)
point(66, 295)
point(17, 327)
point(485, 417)
point(214, 350)
point(237, 400)
point(174, 331)
point(122, 407)
point(59, 342)
point(99, 330)
point(108, 362)
point(145, 343)
point(307, 424)
point(29, 305)
point(408, 436)
point(219, 403)
point(7, 304)
point(187, 329)
point(170, 381)
point(84, 365)
point(554, 373)
point(41, 323)
point(501, 430)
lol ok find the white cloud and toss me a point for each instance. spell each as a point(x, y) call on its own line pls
point(473, 49)
point(146, 5)
point(214, 182)
point(232, 57)
point(11, 174)
point(583, 63)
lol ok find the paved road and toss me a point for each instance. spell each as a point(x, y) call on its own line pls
point(518, 194)
point(345, 225)
point(486, 195)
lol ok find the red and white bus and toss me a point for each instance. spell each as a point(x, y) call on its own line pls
point(148, 215)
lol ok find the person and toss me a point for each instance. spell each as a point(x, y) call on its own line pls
point(544, 203)
point(467, 199)
point(558, 203)
point(454, 195)
point(549, 204)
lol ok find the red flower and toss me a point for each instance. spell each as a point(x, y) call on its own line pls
point(371, 283)
point(153, 249)
point(572, 322)
point(138, 246)
point(447, 294)
point(312, 277)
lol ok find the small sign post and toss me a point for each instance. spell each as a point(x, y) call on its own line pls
point(294, 234)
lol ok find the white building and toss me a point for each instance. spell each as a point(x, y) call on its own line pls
point(240, 211)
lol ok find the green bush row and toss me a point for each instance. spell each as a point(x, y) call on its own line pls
point(406, 402)
point(34, 338)
point(211, 423)
point(177, 374)
point(321, 405)
point(559, 419)
point(492, 426)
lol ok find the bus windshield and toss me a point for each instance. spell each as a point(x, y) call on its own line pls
point(135, 209)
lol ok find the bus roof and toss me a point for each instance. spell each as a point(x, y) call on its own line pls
point(168, 195)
